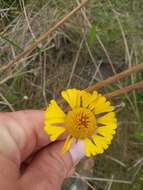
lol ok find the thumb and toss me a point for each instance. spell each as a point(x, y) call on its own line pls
point(49, 168)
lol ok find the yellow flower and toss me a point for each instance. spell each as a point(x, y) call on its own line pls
point(90, 118)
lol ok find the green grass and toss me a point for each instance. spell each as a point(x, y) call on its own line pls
point(42, 75)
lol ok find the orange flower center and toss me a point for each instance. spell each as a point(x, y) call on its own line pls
point(80, 123)
point(82, 120)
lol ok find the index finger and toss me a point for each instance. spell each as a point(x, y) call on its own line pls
point(21, 134)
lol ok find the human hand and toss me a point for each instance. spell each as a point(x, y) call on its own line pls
point(21, 136)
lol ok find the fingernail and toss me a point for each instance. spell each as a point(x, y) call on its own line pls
point(77, 151)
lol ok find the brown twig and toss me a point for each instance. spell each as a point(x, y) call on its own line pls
point(84, 180)
point(138, 85)
point(39, 40)
point(98, 85)
point(114, 78)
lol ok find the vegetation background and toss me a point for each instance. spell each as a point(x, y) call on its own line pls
point(103, 38)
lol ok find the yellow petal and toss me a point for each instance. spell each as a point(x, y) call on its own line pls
point(107, 119)
point(72, 96)
point(105, 131)
point(104, 107)
point(101, 105)
point(54, 114)
point(54, 132)
point(67, 144)
point(90, 148)
point(53, 120)
point(101, 143)
point(111, 125)
point(86, 98)
point(92, 100)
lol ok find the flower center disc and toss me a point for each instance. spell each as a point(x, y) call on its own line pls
point(80, 123)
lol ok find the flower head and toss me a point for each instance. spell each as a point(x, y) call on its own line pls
point(90, 118)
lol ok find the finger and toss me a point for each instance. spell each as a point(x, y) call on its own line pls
point(21, 133)
point(49, 168)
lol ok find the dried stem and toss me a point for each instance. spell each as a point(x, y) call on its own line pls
point(98, 85)
point(138, 85)
point(32, 46)
point(116, 77)
point(84, 180)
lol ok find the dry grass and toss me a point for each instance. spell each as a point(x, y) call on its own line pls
point(65, 59)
